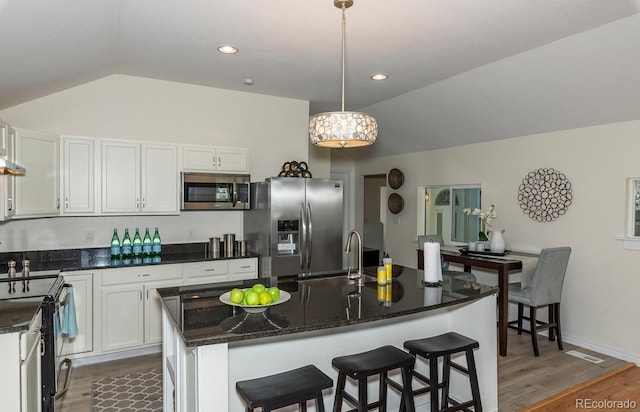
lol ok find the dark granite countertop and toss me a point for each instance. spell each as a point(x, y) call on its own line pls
point(315, 304)
point(67, 260)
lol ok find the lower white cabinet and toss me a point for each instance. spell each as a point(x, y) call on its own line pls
point(122, 317)
point(130, 313)
point(82, 283)
point(20, 379)
point(153, 311)
point(118, 309)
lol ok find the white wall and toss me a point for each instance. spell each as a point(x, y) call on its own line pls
point(274, 129)
point(600, 297)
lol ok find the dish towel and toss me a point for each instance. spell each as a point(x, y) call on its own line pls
point(70, 322)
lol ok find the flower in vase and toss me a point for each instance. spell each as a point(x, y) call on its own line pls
point(486, 219)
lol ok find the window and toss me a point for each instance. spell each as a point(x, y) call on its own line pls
point(440, 212)
point(634, 207)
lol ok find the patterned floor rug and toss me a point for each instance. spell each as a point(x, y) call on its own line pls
point(136, 392)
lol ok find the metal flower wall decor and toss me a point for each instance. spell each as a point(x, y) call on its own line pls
point(545, 194)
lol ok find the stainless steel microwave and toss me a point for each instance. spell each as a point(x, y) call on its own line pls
point(214, 191)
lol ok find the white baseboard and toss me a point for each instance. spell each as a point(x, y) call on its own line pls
point(106, 357)
point(605, 350)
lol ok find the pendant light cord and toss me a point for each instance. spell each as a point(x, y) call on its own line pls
point(344, 24)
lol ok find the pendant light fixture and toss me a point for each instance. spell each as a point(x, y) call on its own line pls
point(342, 129)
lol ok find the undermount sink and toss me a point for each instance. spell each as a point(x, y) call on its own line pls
point(337, 280)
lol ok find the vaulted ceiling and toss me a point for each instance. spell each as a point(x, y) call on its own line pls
point(460, 72)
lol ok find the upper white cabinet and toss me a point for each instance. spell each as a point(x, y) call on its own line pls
point(8, 182)
point(4, 136)
point(138, 178)
point(37, 193)
point(78, 176)
point(214, 159)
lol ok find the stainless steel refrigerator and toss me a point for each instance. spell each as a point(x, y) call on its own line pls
point(295, 225)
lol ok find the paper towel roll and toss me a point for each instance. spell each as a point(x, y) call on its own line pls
point(432, 296)
point(432, 266)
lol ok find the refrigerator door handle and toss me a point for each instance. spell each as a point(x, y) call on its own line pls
point(309, 235)
point(303, 237)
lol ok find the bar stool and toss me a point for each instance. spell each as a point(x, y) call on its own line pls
point(443, 346)
point(296, 386)
point(360, 366)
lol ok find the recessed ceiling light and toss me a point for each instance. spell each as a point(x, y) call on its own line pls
point(248, 82)
point(379, 76)
point(228, 49)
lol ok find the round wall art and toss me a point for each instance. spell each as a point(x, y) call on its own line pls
point(545, 194)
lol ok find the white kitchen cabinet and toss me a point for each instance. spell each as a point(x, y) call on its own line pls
point(214, 159)
point(153, 311)
point(37, 193)
point(4, 136)
point(8, 182)
point(206, 272)
point(82, 283)
point(20, 379)
point(138, 178)
point(240, 269)
point(130, 312)
point(78, 176)
point(122, 317)
point(159, 185)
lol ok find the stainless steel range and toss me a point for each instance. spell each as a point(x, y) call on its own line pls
point(50, 287)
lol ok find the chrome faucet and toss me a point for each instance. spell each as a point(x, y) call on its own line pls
point(347, 249)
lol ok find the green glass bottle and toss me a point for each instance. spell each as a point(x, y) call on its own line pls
point(127, 250)
point(115, 245)
point(146, 244)
point(156, 247)
point(137, 244)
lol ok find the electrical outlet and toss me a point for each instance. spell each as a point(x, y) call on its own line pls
point(191, 234)
point(89, 237)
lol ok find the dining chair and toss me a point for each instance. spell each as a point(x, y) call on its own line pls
point(468, 276)
point(545, 290)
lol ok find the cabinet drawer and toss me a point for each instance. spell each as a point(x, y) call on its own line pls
point(206, 269)
point(243, 266)
point(150, 273)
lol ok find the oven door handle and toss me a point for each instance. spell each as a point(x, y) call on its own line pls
point(64, 302)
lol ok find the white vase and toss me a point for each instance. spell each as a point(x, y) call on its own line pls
point(496, 242)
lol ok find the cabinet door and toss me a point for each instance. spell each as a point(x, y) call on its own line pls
point(120, 177)
point(153, 311)
point(78, 180)
point(4, 135)
point(232, 159)
point(122, 317)
point(199, 158)
point(7, 182)
point(83, 299)
point(159, 179)
point(38, 191)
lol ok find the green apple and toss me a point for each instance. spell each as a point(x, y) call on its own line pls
point(236, 295)
point(275, 293)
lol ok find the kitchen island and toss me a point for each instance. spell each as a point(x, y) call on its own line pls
point(208, 346)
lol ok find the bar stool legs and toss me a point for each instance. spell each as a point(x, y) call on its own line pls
point(375, 362)
point(444, 346)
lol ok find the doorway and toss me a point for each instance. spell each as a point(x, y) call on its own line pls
point(374, 230)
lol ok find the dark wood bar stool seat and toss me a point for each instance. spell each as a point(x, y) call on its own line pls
point(443, 346)
point(296, 386)
point(360, 366)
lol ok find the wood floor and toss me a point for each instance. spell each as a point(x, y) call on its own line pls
point(522, 378)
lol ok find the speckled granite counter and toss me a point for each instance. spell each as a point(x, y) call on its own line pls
point(314, 305)
point(67, 260)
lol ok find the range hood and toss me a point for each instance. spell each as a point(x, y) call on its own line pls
point(7, 167)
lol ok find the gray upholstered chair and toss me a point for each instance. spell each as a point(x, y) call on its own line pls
point(545, 290)
point(470, 277)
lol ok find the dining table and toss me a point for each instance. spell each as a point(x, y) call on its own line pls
point(504, 264)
